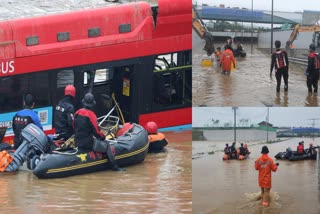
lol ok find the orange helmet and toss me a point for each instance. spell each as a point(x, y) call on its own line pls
point(70, 90)
point(151, 127)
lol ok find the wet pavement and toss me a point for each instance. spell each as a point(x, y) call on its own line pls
point(232, 186)
point(249, 85)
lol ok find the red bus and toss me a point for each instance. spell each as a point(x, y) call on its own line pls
point(140, 53)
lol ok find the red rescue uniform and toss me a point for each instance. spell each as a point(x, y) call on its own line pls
point(227, 58)
point(265, 165)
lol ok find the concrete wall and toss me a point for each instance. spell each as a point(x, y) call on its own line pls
point(303, 40)
point(242, 135)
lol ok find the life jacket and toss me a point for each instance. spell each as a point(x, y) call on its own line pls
point(242, 151)
point(217, 54)
point(312, 151)
point(5, 160)
point(280, 60)
point(317, 61)
point(241, 157)
point(300, 149)
point(157, 142)
point(64, 117)
point(227, 150)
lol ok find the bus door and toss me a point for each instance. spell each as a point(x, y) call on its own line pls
point(122, 86)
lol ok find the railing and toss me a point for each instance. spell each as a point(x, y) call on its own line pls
point(299, 61)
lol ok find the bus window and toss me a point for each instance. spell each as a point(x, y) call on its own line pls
point(11, 92)
point(172, 80)
point(64, 78)
point(38, 86)
point(102, 75)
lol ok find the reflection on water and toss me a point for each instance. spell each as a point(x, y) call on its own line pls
point(249, 85)
point(161, 184)
point(232, 186)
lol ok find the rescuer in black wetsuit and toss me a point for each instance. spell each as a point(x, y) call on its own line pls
point(233, 151)
point(242, 150)
point(86, 128)
point(312, 71)
point(64, 113)
point(279, 60)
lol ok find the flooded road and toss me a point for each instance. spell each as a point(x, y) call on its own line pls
point(161, 184)
point(232, 186)
point(248, 85)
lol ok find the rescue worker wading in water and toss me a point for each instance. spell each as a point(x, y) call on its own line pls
point(265, 165)
point(157, 140)
point(279, 60)
point(24, 118)
point(313, 68)
point(86, 128)
point(64, 113)
point(227, 59)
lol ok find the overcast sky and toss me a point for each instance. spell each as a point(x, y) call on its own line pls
point(278, 5)
point(278, 116)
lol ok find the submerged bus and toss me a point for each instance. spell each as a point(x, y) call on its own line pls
point(139, 53)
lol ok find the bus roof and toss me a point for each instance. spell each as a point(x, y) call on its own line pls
point(93, 35)
point(12, 9)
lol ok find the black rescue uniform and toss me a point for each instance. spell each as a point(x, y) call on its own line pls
point(85, 127)
point(313, 71)
point(279, 61)
point(64, 117)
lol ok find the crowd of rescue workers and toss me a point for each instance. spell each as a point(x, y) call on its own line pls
point(279, 62)
point(81, 124)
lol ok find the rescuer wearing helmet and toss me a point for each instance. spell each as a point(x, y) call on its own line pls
point(64, 111)
point(157, 140)
point(86, 128)
point(23, 118)
point(265, 165)
point(279, 60)
point(313, 68)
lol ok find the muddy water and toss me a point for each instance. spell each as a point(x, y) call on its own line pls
point(232, 186)
point(161, 184)
point(248, 85)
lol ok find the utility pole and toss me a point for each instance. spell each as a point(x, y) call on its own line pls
point(251, 26)
point(271, 26)
point(234, 123)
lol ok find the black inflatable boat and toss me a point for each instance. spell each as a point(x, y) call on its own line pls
point(293, 156)
point(129, 148)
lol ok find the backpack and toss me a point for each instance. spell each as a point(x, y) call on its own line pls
point(280, 60)
point(317, 61)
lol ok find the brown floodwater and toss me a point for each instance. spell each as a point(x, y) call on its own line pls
point(248, 85)
point(232, 186)
point(161, 184)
